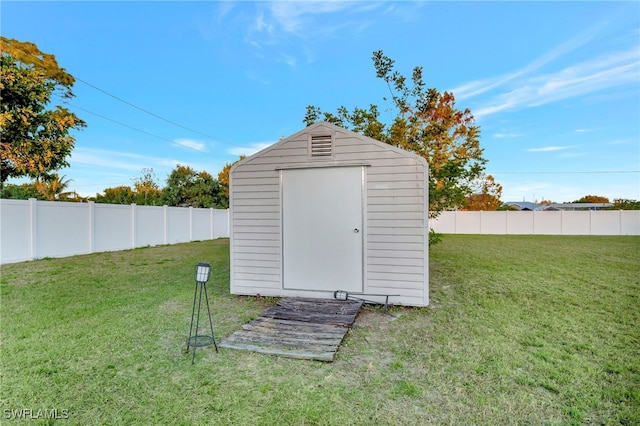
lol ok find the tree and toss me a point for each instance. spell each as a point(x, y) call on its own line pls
point(147, 190)
point(207, 192)
point(176, 192)
point(592, 199)
point(223, 178)
point(20, 192)
point(187, 188)
point(117, 195)
point(625, 204)
point(52, 188)
point(34, 140)
point(427, 123)
point(507, 208)
point(486, 197)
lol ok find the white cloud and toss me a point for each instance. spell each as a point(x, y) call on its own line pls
point(620, 141)
point(293, 16)
point(249, 150)
point(604, 72)
point(527, 87)
point(548, 149)
point(116, 160)
point(108, 159)
point(191, 144)
point(287, 59)
point(257, 77)
point(127, 164)
point(478, 87)
point(507, 135)
point(286, 29)
point(572, 154)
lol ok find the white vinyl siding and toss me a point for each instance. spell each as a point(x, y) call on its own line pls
point(395, 201)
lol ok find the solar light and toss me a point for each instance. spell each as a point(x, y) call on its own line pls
point(203, 270)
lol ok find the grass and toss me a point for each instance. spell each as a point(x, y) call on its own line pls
point(522, 330)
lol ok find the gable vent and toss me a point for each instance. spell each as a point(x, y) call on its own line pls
point(321, 146)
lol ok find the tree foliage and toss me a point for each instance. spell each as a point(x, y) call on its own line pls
point(486, 197)
point(427, 123)
point(53, 188)
point(117, 195)
point(507, 208)
point(592, 199)
point(147, 191)
point(35, 139)
point(188, 188)
point(20, 192)
point(625, 204)
point(223, 178)
point(184, 188)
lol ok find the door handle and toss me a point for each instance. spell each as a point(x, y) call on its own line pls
point(356, 230)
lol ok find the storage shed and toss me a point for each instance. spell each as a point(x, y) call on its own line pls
point(328, 209)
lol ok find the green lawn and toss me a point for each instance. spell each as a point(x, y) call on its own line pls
point(522, 330)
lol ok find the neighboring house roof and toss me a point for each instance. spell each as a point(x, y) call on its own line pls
point(529, 206)
point(578, 206)
point(525, 205)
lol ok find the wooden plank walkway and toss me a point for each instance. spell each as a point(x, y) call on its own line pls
point(298, 328)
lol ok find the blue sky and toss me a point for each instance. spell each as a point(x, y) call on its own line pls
point(554, 86)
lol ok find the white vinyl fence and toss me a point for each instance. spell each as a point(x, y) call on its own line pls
point(600, 222)
point(31, 229)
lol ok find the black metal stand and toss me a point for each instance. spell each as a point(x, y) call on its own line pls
point(195, 341)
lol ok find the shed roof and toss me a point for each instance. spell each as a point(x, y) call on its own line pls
point(332, 127)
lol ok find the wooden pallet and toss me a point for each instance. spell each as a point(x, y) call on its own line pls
point(298, 328)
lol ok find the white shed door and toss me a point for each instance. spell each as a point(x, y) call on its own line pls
point(322, 229)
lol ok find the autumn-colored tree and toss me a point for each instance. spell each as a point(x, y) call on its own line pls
point(223, 178)
point(427, 123)
point(592, 199)
point(53, 187)
point(35, 139)
point(147, 191)
point(486, 196)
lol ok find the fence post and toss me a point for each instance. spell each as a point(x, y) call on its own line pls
point(455, 221)
point(619, 222)
point(211, 223)
point(165, 209)
point(133, 225)
point(190, 223)
point(533, 222)
point(33, 228)
point(92, 227)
